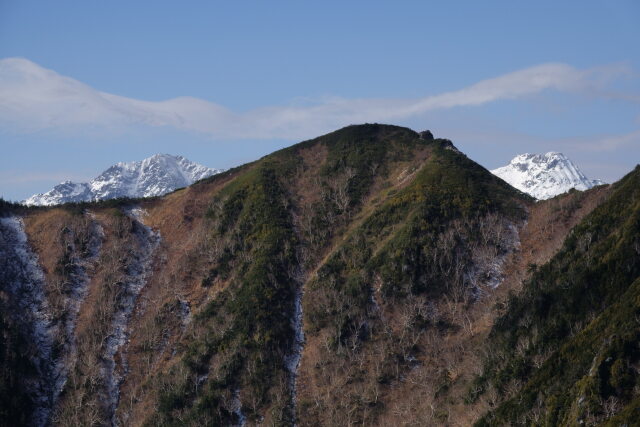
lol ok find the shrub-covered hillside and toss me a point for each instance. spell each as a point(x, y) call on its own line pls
point(350, 279)
point(567, 350)
point(328, 218)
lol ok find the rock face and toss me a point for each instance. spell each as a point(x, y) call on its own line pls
point(426, 135)
point(544, 176)
point(154, 176)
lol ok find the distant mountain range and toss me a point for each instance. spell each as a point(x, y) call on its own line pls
point(153, 176)
point(544, 176)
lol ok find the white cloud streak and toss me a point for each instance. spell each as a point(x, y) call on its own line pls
point(34, 99)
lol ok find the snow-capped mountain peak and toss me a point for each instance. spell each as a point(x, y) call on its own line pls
point(153, 176)
point(544, 176)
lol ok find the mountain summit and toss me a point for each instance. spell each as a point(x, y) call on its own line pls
point(153, 176)
point(544, 176)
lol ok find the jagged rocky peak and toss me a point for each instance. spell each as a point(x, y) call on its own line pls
point(544, 176)
point(153, 176)
point(427, 135)
point(448, 145)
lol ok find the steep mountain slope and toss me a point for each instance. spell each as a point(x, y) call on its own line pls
point(349, 279)
point(544, 175)
point(574, 328)
point(374, 300)
point(154, 176)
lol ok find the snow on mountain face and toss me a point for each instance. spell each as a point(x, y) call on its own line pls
point(154, 176)
point(544, 176)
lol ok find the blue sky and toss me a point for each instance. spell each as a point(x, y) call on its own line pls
point(84, 84)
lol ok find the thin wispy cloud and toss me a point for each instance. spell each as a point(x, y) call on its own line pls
point(34, 99)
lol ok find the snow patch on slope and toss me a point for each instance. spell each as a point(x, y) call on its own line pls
point(23, 281)
point(489, 261)
point(75, 294)
point(236, 404)
point(138, 270)
point(544, 176)
point(292, 360)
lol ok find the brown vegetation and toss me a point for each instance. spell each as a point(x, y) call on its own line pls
point(400, 358)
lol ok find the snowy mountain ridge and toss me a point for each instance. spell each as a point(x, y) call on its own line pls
point(544, 176)
point(153, 176)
